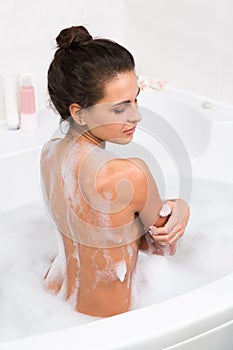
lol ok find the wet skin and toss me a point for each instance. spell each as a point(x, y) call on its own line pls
point(96, 204)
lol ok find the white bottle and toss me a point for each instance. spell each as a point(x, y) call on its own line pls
point(11, 103)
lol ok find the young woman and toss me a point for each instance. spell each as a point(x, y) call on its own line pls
point(103, 206)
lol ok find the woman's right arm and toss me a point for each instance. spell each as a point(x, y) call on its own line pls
point(146, 196)
point(162, 233)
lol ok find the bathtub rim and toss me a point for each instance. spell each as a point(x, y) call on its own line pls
point(191, 99)
point(180, 317)
point(191, 316)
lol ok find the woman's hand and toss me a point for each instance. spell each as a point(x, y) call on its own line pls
point(175, 226)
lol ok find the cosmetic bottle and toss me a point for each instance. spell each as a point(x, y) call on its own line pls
point(28, 116)
point(11, 103)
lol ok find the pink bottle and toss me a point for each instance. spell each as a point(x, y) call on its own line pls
point(28, 115)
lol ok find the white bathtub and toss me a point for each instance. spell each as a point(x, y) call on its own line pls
point(198, 319)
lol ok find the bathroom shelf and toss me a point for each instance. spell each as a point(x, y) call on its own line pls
point(15, 141)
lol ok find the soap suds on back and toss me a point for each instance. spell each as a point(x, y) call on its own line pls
point(121, 270)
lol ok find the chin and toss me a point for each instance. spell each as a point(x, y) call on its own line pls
point(121, 141)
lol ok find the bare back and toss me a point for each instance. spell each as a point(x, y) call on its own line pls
point(90, 202)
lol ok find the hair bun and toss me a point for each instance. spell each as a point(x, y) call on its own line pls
point(72, 36)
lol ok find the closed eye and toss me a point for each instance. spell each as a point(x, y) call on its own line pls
point(119, 110)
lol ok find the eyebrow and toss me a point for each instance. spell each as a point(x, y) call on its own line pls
point(123, 102)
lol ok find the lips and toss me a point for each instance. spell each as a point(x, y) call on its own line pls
point(130, 130)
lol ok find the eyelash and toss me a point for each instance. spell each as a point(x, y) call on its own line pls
point(118, 111)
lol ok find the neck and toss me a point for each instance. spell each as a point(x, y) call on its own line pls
point(90, 138)
point(86, 135)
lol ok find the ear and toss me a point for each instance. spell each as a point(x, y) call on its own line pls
point(77, 114)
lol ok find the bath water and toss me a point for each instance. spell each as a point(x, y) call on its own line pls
point(28, 245)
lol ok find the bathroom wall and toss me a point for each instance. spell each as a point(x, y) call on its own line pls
point(187, 42)
point(28, 30)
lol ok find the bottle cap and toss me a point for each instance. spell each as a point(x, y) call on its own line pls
point(26, 80)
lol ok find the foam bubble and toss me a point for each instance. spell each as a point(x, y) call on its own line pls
point(28, 246)
point(121, 270)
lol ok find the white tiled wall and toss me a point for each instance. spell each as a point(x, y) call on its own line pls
point(28, 30)
point(187, 42)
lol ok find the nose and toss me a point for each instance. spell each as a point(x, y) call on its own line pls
point(133, 113)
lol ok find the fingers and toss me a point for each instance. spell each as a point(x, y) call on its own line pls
point(164, 230)
point(174, 229)
point(160, 234)
point(177, 236)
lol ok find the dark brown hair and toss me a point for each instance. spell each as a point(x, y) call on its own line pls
point(82, 66)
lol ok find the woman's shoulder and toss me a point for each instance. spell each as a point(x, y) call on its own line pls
point(126, 179)
point(133, 169)
point(130, 164)
point(49, 148)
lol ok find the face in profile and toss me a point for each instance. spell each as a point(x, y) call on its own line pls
point(114, 118)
